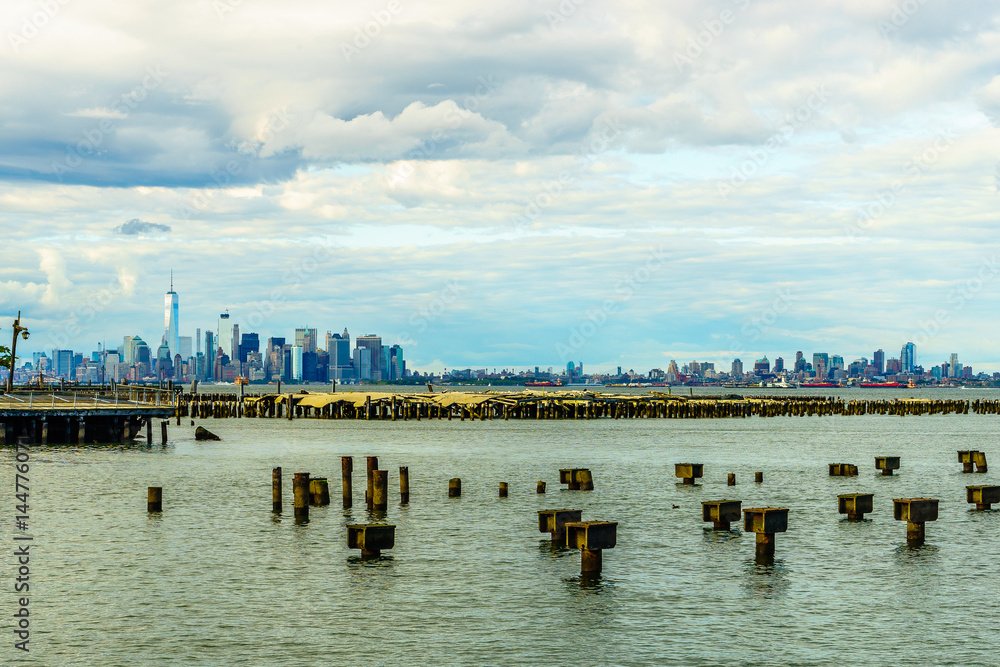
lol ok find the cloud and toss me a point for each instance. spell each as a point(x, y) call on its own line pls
point(135, 227)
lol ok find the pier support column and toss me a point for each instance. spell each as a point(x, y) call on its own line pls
point(154, 499)
point(300, 492)
point(149, 430)
point(81, 431)
point(369, 491)
point(346, 470)
point(276, 490)
point(454, 487)
point(503, 489)
point(380, 490)
point(404, 485)
point(45, 432)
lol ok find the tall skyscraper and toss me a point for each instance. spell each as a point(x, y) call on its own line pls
point(306, 339)
point(225, 340)
point(878, 361)
point(170, 317)
point(373, 344)
point(234, 352)
point(954, 367)
point(907, 357)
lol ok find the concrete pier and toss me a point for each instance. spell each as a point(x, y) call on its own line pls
point(591, 538)
point(689, 472)
point(765, 522)
point(915, 512)
point(984, 497)
point(371, 538)
point(855, 505)
point(554, 523)
point(886, 464)
point(721, 513)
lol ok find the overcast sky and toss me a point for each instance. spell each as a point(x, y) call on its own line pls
point(617, 183)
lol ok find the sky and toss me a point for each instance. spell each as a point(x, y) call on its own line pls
point(508, 185)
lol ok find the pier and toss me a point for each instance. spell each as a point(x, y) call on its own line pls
point(83, 416)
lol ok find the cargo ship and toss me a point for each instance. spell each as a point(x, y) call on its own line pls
point(879, 385)
point(544, 383)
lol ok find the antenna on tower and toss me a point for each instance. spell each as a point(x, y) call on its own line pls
point(171, 280)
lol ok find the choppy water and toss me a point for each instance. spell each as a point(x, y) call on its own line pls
point(218, 580)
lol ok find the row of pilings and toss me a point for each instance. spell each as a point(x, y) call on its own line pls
point(552, 405)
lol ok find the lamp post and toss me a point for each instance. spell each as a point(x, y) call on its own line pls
point(18, 329)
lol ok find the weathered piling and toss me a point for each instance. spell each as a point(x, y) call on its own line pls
point(404, 484)
point(983, 496)
point(503, 489)
point(380, 490)
point(843, 470)
point(300, 495)
point(577, 479)
point(276, 490)
point(346, 473)
point(371, 538)
point(154, 499)
point(855, 505)
point(731, 479)
point(765, 522)
point(149, 431)
point(319, 491)
point(163, 432)
point(886, 464)
point(540, 487)
point(591, 538)
point(758, 477)
point(371, 465)
point(979, 458)
point(554, 523)
point(689, 472)
point(454, 487)
point(721, 513)
point(915, 512)
point(965, 458)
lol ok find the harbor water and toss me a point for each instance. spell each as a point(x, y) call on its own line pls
point(218, 579)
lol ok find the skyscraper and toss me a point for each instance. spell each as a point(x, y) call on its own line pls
point(170, 317)
point(878, 361)
point(306, 339)
point(907, 357)
point(954, 368)
point(225, 340)
point(373, 344)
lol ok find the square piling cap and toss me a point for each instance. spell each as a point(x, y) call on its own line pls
point(689, 470)
point(371, 536)
point(592, 535)
point(549, 521)
point(966, 455)
point(568, 475)
point(887, 462)
point(855, 503)
point(721, 510)
point(983, 494)
point(765, 519)
point(915, 510)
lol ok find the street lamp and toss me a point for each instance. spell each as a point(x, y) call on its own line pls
point(18, 329)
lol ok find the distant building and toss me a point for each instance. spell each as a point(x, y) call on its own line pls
point(296, 371)
point(908, 357)
point(954, 366)
point(225, 340)
point(878, 361)
point(373, 344)
point(779, 365)
point(737, 370)
point(762, 366)
point(171, 313)
point(306, 339)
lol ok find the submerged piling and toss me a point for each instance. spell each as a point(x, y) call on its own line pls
point(276, 490)
point(404, 484)
point(154, 499)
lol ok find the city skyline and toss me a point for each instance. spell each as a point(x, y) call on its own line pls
point(631, 184)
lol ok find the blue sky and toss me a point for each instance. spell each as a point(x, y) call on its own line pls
point(617, 183)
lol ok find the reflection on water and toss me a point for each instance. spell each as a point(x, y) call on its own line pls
point(907, 554)
point(765, 577)
point(554, 550)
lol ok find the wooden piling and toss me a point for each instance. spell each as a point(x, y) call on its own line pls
point(154, 499)
point(540, 487)
point(380, 490)
point(163, 432)
point(346, 471)
point(371, 466)
point(758, 477)
point(731, 481)
point(300, 494)
point(454, 487)
point(503, 489)
point(319, 491)
point(404, 484)
point(276, 490)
